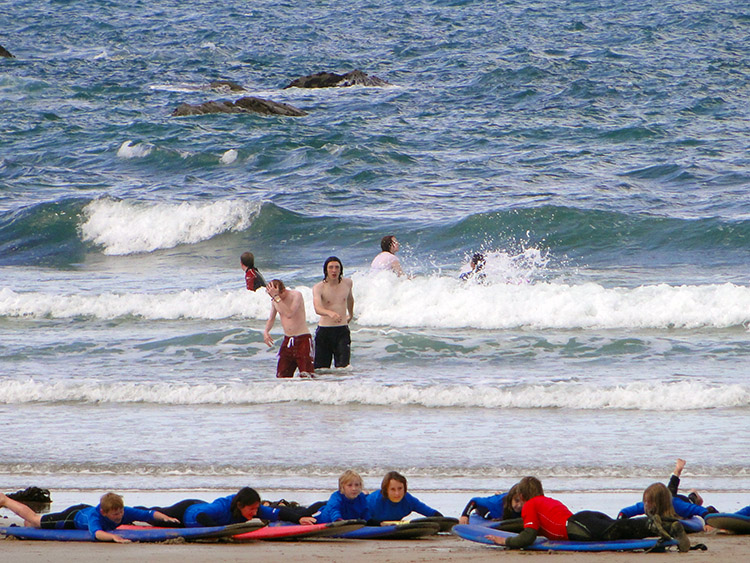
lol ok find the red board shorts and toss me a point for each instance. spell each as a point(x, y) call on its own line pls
point(296, 353)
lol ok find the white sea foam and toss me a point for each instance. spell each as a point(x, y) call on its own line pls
point(434, 302)
point(229, 156)
point(123, 227)
point(129, 150)
point(684, 396)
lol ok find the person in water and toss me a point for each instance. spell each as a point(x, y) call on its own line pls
point(392, 501)
point(296, 350)
point(552, 519)
point(387, 260)
point(495, 507)
point(348, 503)
point(476, 265)
point(253, 280)
point(239, 507)
point(334, 302)
point(99, 520)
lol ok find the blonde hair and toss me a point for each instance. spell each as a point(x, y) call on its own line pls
point(660, 499)
point(110, 502)
point(347, 477)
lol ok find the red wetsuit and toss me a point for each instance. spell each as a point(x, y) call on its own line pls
point(547, 516)
point(253, 279)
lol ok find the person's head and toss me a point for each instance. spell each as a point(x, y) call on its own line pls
point(278, 284)
point(389, 244)
point(393, 486)
point(112, 507)
point(333, 268)
point(245, 504)
point(247, 260)
point(350, 484)
point(477, 261)
point(658, 500)
point(527, 489)
point(509, 509)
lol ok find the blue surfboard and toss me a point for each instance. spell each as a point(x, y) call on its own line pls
point(729, 521)
point(132, 533)
point(479, 534)
point(510, 525)
point(401, 531)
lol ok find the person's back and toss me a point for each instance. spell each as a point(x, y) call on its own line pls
point(548, 516)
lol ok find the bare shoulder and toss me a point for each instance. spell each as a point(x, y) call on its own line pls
point(318, 287)
point(347, 282)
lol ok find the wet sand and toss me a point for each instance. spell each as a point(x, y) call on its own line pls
point(721, 548)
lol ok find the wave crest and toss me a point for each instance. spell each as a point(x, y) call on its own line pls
point(126, 228)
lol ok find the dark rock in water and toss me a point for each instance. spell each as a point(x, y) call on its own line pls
point(226, 85)
point(248, 104)
point(35, 498)
point(332, 80)
point(5, 53)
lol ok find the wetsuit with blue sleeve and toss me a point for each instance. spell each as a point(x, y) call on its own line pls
point(219, 513)
point(339, 507)
point(383, 509)
point(487, 507)
point(86, 517)
point(682, 508)
point(744, 511)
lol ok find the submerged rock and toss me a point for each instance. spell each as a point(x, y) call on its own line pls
point(5, 53)
point(332, 80)
point(247, 104)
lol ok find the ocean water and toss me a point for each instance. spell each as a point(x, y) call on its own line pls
point(595, 151)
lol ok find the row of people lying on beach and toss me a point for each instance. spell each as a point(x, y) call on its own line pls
point(662, 507)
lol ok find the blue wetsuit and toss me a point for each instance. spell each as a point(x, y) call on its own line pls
point(86, 517)
point(682, 508)
point(488, 507)
point(339, 507)
point(744, 511)
point(218, 513)
point(383, 509)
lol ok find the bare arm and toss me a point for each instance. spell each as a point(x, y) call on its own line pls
point(269, 325)
point(350, 303)
point(101, 535)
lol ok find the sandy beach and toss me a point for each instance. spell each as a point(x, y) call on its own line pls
point(721, 547)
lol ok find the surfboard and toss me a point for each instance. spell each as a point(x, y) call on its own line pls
point(729, 521)
point(445, 522)
point(479, 534)
point(133, 533)
point(401, 531)
point(509, 525)
point(692, 525)
point(282, 531)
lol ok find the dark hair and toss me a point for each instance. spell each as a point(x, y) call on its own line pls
point(508, 511)
point(386, 242)
point(325, 267)
point(529, 487)
point(477, 261)
point(245, 497)
point(280, 285)
point(391, 476)
point(248, 259)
